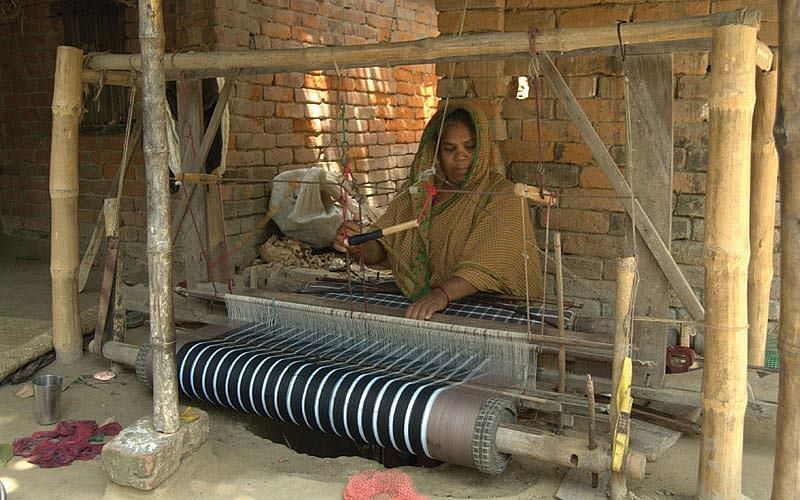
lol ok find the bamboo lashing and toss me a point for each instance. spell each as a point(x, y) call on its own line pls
point(433, 50)
point(726, 254)
point(65, 257)
point(785, 483)
point(763, 188)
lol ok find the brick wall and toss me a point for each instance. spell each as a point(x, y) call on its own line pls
point(278, 122)
point(292, 120)
point(592, 221)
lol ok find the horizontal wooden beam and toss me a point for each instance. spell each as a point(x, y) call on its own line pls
point(428, 50)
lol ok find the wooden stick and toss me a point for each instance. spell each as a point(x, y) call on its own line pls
point(197, 178)
point(726, 254)
point(626, 274)
point(590, 410)
point(609, 167)
point(785, 482)
point(159, 243)
point(564, 451)
point(358, 239)
point(64, 252)
point(763, 187)
point(562, 350)
point(543, 197)
point(430, 50)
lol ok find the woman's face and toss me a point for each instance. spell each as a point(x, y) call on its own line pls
point(456, 151)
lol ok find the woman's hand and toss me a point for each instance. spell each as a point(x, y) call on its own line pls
point(370, 252)
point(436, 300)
point(346, 230)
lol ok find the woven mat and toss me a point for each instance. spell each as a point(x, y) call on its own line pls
point(23, 340)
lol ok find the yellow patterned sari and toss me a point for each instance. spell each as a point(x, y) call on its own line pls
point(477, 234)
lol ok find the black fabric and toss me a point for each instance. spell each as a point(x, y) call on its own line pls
point(309, 379)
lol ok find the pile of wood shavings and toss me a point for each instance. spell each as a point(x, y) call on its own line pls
point(288, 252)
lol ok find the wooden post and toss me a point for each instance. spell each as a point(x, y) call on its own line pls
point(786, 478)
point(626, 274)
point(159, 243)
point(726, 254)
point(64, 252)
point(649, 106)
point(763, 187)
point(190, 130)
point(562, 350)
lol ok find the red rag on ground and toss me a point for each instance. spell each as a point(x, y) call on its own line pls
point(68, 441)
point(392, 484)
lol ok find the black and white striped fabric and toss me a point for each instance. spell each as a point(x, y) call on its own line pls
point(368, 391)
point(502, 312)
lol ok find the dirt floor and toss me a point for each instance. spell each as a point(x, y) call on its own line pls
point(239, 464)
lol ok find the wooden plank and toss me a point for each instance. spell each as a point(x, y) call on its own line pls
point(622, 188)
point(190, 130)
point(652, 440)
point(649, 102)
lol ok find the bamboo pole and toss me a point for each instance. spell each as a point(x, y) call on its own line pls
point(430, 50)
point(786, 477)
point(763, 187)
point(159, 243)
point(626, 274)
point(64, 251)
point(726, 257)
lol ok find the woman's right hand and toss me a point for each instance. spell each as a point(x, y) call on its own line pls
point(346, 230)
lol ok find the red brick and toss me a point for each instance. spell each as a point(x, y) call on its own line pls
point(593, 177)
point(523, 20)
point(547, 131)
point(689, 182)
point(573, 152)
point(604, 15)
point(593, 245)
point(582, 221)
point(474, 21)
point(668, 10)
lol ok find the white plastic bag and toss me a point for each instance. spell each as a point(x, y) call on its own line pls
point(306, 210)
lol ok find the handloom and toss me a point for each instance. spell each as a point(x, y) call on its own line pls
point(420, 387)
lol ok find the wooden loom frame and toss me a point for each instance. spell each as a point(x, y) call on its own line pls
point(732, 39)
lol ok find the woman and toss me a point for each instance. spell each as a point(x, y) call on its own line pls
point(470, 239)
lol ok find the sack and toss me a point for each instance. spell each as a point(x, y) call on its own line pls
point(306, 210)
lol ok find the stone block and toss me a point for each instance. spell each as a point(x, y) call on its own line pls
point(143, 458)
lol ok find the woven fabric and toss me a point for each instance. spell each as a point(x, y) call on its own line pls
point(467, 308)
point(369, 392)
point(479, 234)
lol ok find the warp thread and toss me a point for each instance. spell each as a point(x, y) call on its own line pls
point(70, 440)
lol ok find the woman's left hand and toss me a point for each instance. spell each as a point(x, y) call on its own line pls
point(435, 301)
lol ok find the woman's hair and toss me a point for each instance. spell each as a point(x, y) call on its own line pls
point(460, 116)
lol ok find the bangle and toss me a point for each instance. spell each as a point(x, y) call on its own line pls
point(447, 295)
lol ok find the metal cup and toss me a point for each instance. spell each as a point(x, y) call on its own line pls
point(47, 398)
